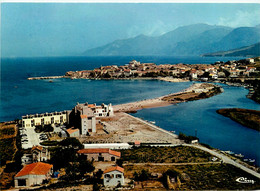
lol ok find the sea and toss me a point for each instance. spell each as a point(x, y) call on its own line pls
point(20, 96)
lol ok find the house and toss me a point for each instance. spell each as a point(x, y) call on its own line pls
point(33, 174)
point(40, 154)
point(137, 143)
point(98, 154)
point(26, 159)
point(73, 132)
point(113, 176)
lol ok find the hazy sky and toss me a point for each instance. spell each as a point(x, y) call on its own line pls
point(63, 29)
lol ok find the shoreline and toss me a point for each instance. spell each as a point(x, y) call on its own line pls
point(194, 92)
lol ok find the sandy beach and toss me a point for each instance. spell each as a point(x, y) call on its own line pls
point(123, 127)
point(186, 95)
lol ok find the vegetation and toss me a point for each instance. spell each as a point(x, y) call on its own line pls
point(7, 150)
point(49, 143)
point(71, 142)
point(200, 177)
point(246, 117)
point(186, 138)
point(43, 128)
point(177, 154)
point(142, 176)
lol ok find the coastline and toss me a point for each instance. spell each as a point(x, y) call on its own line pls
point(194, 92)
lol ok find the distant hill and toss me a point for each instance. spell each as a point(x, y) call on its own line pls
point(187, 40)
point(246, 51)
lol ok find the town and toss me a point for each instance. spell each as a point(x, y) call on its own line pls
point(244, 72)
point(102, 147)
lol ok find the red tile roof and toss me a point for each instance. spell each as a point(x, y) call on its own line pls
point(137, 142)
point(91, 105)
point(83, 116)
point(91, 151)
point(37, 147)
point(70, 130)
point(38, 168)
point(113, 168)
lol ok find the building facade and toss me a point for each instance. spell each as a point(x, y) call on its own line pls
point(45, 119)
point(98, 154)
point(33, 174)
point(102, 110)
point(113, 176)
point(83, 118)
point(40, 154)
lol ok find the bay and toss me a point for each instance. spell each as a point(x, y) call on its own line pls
point(20, 96)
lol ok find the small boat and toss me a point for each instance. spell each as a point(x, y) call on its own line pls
point(251, 160)
point(245, 160)
point(153, 122)
point(239, 155)
point(50, 81)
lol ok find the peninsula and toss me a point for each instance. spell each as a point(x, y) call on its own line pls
point(246, 117)
point(195, 92)
point(244, 72)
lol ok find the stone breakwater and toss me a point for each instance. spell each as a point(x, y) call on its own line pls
point(45, 77)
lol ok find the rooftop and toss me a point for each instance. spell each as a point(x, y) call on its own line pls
point(98, 150)
point(38, 168)
point(114, 168)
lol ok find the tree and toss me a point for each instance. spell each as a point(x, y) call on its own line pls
point(71, 142)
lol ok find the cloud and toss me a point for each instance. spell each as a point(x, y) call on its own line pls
point(241, 18)
point(155, 28)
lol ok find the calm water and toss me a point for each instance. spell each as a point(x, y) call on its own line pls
point(20, 96)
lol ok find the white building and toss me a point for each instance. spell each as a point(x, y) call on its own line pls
point(33, 174)
point(26, 159)
point(108, 145)
point(113, 176)
point(45, 119)
point(102, 110)
point(83, 118)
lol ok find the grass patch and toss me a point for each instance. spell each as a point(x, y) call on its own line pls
point(179, 154)
point(7, 150)
point(201, 177)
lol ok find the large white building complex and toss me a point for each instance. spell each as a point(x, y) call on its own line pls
point(82, 117)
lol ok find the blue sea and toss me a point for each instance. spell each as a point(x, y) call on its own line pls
point(20, 96)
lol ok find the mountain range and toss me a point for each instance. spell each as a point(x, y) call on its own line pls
point(246, 51)
point(192, 40)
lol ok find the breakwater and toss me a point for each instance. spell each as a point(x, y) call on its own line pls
point(45, 77)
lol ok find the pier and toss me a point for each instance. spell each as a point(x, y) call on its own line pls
point(45, 77)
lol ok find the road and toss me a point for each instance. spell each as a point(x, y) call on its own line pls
point(225, 159)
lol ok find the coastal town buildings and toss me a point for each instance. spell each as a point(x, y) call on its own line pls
point(45, 119)
point(33, 174)
point(102, 110)
point(113, 176)
point(82, 117)
point(100, 154)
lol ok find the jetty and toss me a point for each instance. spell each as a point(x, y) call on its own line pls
point(45, 77)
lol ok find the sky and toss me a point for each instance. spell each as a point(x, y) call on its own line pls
point(65, 29)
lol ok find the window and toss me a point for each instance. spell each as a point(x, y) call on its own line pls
point(113, 158)
point(100, 114)
point(118, 176)
point(21, 182)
